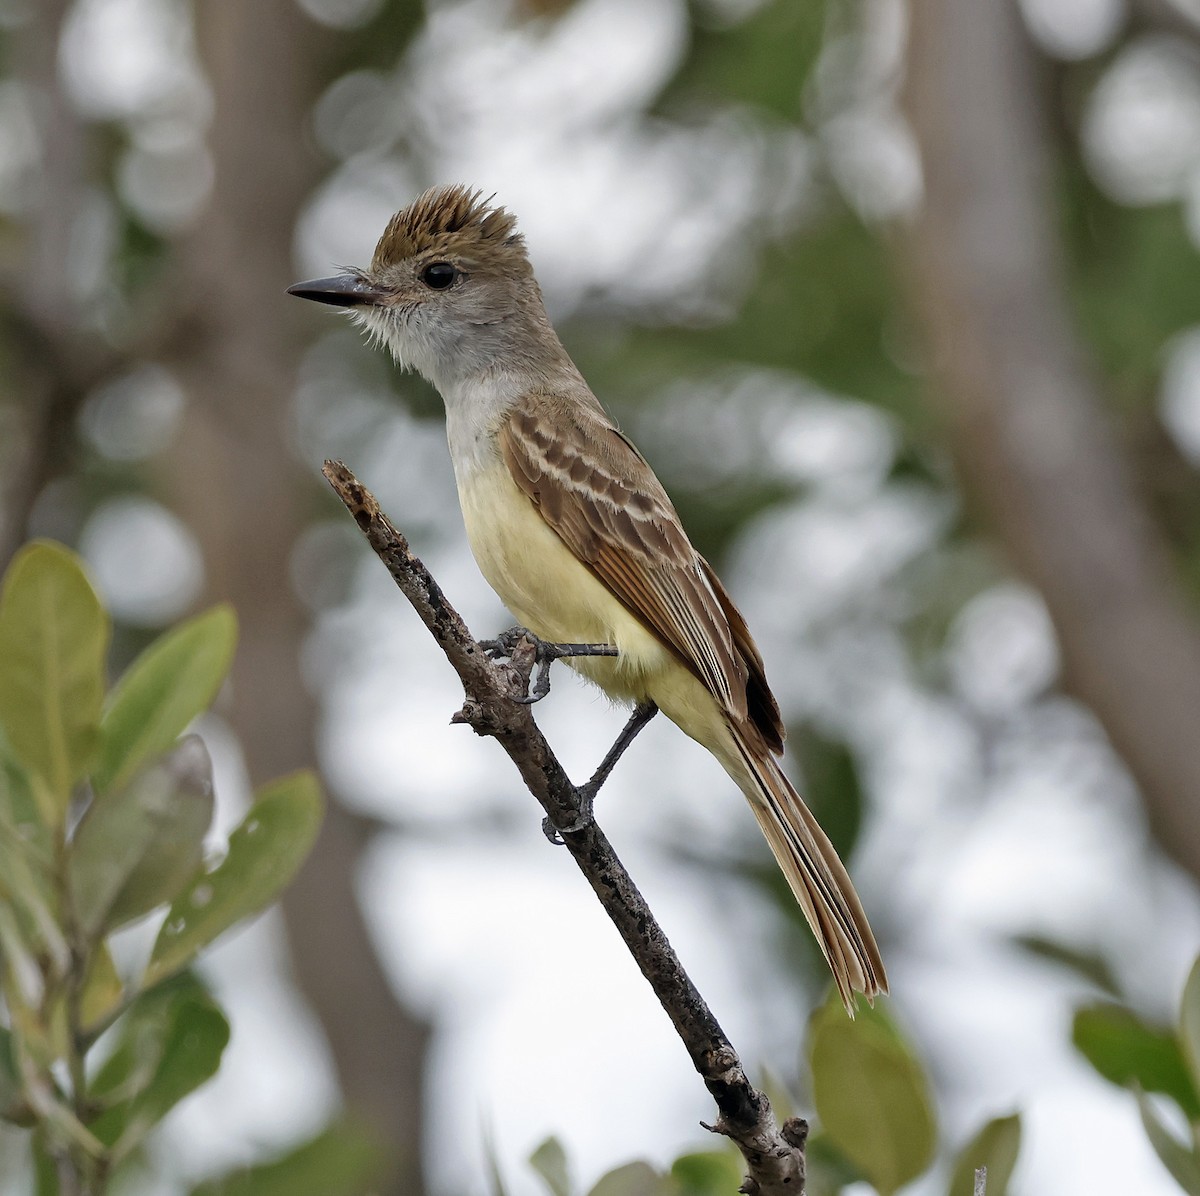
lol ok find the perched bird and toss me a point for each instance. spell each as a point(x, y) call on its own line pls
point(575, 533)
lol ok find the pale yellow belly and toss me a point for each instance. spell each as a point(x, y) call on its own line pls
point(551, 592)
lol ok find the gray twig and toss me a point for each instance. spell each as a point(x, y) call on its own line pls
point(980, 1181)
point(774, 1154)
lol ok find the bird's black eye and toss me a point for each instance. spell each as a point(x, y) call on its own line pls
point(439, 275)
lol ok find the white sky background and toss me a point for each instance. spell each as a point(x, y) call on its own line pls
point(997, 808)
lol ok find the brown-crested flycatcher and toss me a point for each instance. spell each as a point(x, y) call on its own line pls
point(575, 533)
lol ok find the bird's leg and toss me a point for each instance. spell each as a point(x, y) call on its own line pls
point(544, 655)
point(548, 653)
point(641, 715)
point(508, 646)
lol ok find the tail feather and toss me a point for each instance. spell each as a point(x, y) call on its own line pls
point(817, 877)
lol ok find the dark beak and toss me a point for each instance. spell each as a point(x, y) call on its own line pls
point(344, 290)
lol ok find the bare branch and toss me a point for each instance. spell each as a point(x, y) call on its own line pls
point(774, 1155)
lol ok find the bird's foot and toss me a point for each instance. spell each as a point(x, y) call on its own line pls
point(505, 644)
point(525, 650)
point(582, 821)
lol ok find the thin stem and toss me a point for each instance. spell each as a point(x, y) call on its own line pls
point(70, 1183)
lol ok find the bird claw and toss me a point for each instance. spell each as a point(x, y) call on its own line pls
point(583, 819)
point(505, 644)
point(508, 646)
point(524, 651)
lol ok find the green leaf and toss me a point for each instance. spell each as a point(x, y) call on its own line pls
point(636, 1179)
point(102, 990)
point(169, 684)
point(21, 979)
point(45, 1174)
point(995, 1147)
point(708, 1172)
point(342, 1160)
point(20, 816)
point(829, 1171)
point(28, 880)
point(53, 638)
point(1093, 967)
point(170, 1043)
point(11, 1099)
point(1189, 1028)
point(264, 854)
point(141, 1040)
point(197, 1037)
point(872, 1096)
point(550, 1162)
point(176, 849)
point(833, 787)
point(136, 848)
point(1181, 1162)
point(1125, 1050)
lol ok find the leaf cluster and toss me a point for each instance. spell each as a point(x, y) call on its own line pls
point(105, 813)
point(876, 1125)
point(1160, 1064)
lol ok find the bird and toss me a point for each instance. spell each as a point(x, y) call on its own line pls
point(572, 529)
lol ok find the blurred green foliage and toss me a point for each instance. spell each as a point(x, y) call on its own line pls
point(876, 1124)
point(876, 1120)
point(761, 60)
point(340, 1160)
point(1133, 274)
point(1150, 1060)
point(872, 1096)
point(104, 813)
point(823, 305)
point(994, 1148)
point(105, 806)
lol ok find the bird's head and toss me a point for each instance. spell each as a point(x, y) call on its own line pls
point(449, 287)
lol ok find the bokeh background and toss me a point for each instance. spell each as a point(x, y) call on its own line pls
point(902, 301)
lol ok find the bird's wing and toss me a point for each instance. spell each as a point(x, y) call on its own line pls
point(763, 708)
point(602, 499)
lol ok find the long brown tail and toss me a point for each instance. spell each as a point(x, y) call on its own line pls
point(816, 876)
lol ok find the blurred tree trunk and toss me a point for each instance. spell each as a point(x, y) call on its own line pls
point(1027, 422)
point(44, 351)
point(235, 482)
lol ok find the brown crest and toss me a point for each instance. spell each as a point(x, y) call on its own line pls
point(455, 221)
